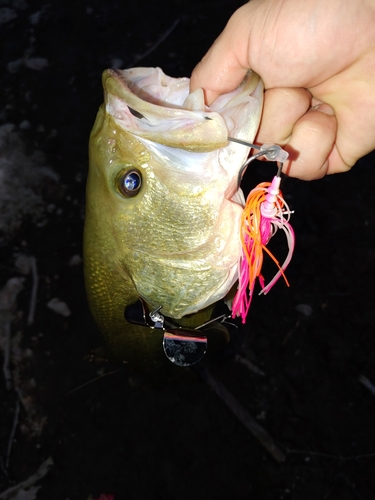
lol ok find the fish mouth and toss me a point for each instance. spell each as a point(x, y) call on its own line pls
point(152, 105)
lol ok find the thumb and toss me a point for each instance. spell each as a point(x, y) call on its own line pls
point(225, 65)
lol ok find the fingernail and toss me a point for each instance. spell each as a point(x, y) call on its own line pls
point(323, 108)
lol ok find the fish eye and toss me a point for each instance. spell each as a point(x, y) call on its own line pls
point(130, 182)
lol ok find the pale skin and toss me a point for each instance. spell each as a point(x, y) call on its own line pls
point(317, 61)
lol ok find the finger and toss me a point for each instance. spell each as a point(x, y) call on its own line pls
point(306, 133)
point(228, 74)
point(227, 60)
point(282, 108)
point(222, 62)
point(311, 143)
point(336, 163)
point(352, 95)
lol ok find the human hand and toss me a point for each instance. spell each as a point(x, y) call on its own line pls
point(317, 62)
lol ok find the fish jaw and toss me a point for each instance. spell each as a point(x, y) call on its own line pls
point(147, 106)
point(177, 243)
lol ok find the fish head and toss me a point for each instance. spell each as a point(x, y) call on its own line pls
point(164, 207)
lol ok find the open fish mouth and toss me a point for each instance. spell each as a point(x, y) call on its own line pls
point(154, 106)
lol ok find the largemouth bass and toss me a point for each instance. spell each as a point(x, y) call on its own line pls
point(163, 204)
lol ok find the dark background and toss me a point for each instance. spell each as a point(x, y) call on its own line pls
point(173, 438)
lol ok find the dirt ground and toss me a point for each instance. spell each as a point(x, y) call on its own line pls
point(106, 428)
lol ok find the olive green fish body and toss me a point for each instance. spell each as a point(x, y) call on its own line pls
point(174, 240)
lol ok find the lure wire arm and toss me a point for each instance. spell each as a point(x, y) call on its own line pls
point(272, 152)
point(242, 170)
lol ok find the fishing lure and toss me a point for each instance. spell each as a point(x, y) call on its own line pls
point(264, 213)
